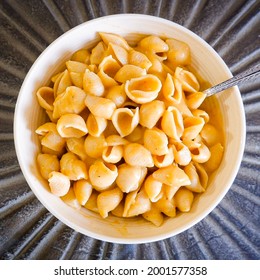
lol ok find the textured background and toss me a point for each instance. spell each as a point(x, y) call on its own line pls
point(29, 231)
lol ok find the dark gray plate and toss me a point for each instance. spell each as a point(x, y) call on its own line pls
point(29, 231)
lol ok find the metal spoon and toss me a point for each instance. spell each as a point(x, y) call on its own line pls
point(237, 79)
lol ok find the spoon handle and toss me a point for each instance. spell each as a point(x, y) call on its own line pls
point(237, 79)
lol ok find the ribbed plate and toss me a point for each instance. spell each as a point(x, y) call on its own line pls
point(29, 231)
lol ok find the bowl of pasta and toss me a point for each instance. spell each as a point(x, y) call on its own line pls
point(115, 136)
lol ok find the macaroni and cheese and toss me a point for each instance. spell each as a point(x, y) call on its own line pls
point(126, 134)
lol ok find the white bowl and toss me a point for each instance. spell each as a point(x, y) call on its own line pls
point(28, 116)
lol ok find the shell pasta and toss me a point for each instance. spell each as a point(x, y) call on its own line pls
point(128, 134)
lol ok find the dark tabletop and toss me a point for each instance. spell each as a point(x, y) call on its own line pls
point(29, 231)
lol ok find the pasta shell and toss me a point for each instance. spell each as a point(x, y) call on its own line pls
point(46, 150)
point(71, 101)
point(71, 125)
point(198, 177)
point(153, 43)
point(137, 155)
point(119, 210)
point(72, 167)
point(77, 79)
point(92, 84)
point(192, 144)
point(116, 140)
point(195, 99)
point(56, 76)
point(118, 52)
point(192, 127)
point(115, 39)
point(166, 206)
point(96, 125)
point(128, 72)
point(100, 106)
point(70, 199)
point(170, 92)
point(137, 206)
point(213, 163)
point(154, 215)
point(168, 68)
point(172, 123)
point(183, 199)
point(164, 160)
point(59, 183)
point(102, 175)
point(93, 68)
point(98, 53)
point(76, 146)
point(129, 200)
point(45, 96)
point(125, 120)
point(45, 128)
point(94, 146)
point(113, 154)
point(202, 114)
point(201, 153)
point(108, 201)
point(171, 175)
point(170, 191)
point(107, 71)
point(75, 66)
point(51, 138)
point(144, 171)
point(61, 83)
point(143, 89)
point(161, 56)
point(153, 188)
point(178, 53)
point(137, 135)
point(182, 154)
point(91, 204)
point(47, 163)
point(188, 80)
point(82, 189)
point(210, 134)
point(156, 141)
point(81, 55)
point(151, 112)
point(157, 67)
point(139, 59)
point(182, 105)
point(128, 178)
point(117, 95)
